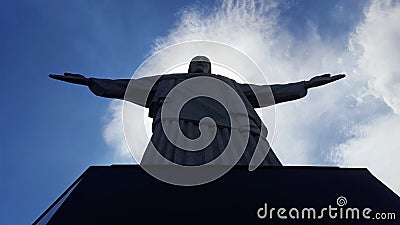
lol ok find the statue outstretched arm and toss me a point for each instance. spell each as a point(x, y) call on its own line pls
point(71, 78)
point(322, 80)
point(139, 89)
point(266, 95)
point(101, 87)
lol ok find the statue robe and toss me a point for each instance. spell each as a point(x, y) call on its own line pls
point(152, 92)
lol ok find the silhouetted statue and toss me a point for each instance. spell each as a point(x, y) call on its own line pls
point(152, 92)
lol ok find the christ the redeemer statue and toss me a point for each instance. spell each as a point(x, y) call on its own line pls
point(157, 89)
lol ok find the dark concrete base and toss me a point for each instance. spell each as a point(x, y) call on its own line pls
point(122, 194)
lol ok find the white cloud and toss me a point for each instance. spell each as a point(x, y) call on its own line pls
point(334, 124)
point(113, 133)
point(375, 145)
point(376, 43)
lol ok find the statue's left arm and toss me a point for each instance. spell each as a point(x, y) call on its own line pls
point(266, 95)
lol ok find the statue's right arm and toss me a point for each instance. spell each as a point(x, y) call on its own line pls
point(101, 87)
point(138, 91)
point(108, 88)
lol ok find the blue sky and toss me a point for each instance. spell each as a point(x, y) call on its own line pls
point(52, 132)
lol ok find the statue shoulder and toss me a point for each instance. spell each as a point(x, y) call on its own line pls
point(174, 76)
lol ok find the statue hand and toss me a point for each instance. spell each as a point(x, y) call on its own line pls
point(322, 80)
point(71, 78)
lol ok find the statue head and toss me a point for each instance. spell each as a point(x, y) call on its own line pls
point(200, 64)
